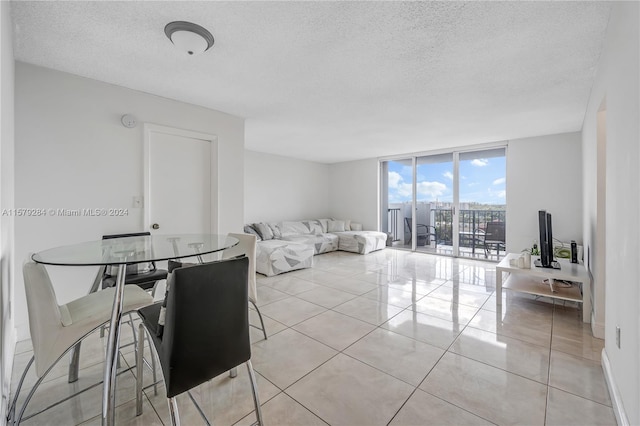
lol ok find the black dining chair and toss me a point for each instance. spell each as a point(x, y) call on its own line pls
point(145, 275)
point(205, 329)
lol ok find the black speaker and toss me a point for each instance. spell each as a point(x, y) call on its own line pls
point(574, 252)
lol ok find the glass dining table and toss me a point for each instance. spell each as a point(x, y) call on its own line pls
point(129, 251)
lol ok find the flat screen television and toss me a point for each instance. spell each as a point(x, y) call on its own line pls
point(546, 241)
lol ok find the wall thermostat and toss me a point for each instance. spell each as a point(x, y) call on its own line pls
point(129, 121)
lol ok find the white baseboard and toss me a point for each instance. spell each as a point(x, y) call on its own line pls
point(616, 399)
point(596, 328)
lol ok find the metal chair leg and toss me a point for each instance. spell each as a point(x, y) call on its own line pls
point(153, 365)
point(12, 408)
point(74, 364)
point(26, 401)
point(139, 369)
point(264, 330)
point(173, 411)
point(98, 279)
point(254, 390)
point(133, 331)
point(140, 363)
point(75, 353)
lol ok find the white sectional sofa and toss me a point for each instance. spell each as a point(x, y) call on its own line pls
point(290, 245)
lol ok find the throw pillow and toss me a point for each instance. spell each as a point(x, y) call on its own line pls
point(347, 225)
point(336, 226)
point(264, 230)
point(277, 232)
point(248, 229)
point(315, 227)
point(325, 225)
point(356, 226)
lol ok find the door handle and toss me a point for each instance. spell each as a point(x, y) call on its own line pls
point(155, 226)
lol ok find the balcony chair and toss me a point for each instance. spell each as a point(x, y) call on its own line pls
point(424, 233)
point(205, 331)
point(494, 235)
point(57, 329)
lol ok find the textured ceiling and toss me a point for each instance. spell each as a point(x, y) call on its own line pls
point(337, 81)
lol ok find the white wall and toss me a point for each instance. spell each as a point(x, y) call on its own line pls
point(7, 76)
point(73, 152)
point(544, 173)
point(354, 192)
point(617, 82)
point(281, 188)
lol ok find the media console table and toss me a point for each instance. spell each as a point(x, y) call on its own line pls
point(532, 281)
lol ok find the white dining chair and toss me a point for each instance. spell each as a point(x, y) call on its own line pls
point(247, 246)
point(55, 329)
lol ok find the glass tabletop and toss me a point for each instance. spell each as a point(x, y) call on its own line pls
point(132, 250)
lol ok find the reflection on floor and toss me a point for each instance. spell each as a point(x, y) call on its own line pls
point(392, 337)
point(477, 252)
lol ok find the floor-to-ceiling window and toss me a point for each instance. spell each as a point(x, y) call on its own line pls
point(448, 203)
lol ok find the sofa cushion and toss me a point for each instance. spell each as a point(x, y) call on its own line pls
point(322, 243)
point(274, 257)
point(302, 227)
point(336, 226)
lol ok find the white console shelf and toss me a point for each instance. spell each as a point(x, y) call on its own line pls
point(532, 281)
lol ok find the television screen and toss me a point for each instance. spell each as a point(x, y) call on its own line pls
point(546, 241)
point(544, 245)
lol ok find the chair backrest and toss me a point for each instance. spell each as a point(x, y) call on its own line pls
point(137, 268)
point(422, 229)
point(246, 246)
point(45, 317)
point(495, 231)
point(206, 329)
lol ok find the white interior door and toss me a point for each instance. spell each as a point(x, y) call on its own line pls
point(179, 181)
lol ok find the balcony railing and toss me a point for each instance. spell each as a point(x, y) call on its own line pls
point(470, 221)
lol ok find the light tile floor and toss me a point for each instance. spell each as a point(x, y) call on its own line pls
point(388, 338)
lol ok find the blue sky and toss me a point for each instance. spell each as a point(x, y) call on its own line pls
point(482, 180)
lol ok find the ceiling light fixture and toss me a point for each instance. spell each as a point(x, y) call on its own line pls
point(190, 37)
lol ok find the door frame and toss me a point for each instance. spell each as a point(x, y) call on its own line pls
point(149, 129)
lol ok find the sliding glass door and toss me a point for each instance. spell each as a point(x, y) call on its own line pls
point(434, 201)
point(397, 201)
point(482, 203)
point(452, 204)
